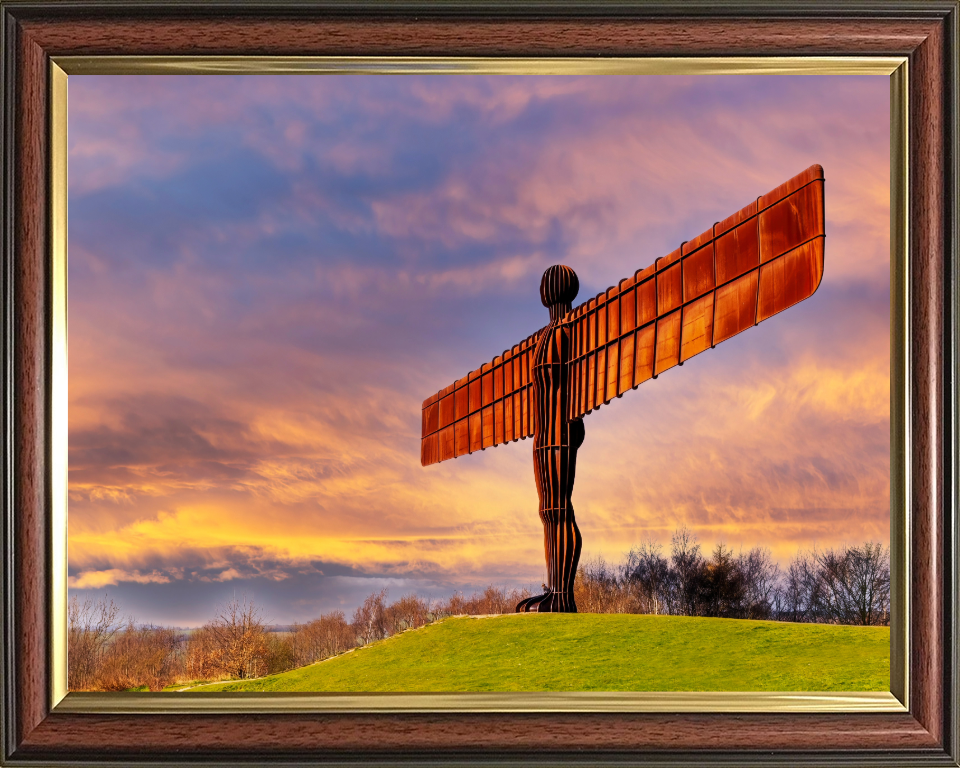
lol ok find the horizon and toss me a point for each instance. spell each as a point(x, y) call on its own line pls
point(269, 274)
point(440, 602)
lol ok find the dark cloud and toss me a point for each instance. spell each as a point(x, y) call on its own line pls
point(285, 591)
point(160, 430)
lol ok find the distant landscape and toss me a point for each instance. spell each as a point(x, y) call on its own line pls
point(684, 621)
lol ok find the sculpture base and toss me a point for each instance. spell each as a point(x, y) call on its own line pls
point(548, 602)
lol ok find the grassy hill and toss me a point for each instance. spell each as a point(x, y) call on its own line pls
point(601, 652)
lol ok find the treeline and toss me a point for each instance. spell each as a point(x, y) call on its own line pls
point(846, 585)
point(107, 652)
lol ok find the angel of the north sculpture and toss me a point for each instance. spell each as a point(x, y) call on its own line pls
point(761, 260)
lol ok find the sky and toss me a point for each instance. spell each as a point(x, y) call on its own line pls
point(267, 276)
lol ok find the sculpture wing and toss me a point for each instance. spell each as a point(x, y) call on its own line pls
point(487, 407)
point(761, 260)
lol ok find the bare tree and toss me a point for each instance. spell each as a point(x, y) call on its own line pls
point(370, 619)
point(723, 587)
point(321, 638)
point(336, 634)
point(107, 653)
point(800, 590)
point(493, 600)
point(868, 567)
point(91, 625)
point(279, 655)
point(847, 585)
point(854, 585)
point(688, 567)
point(649, 572)
point(237, 639)
point(305, 640)
point(601, 588)
point(202, 661)
point(762, 590)
point(457, 605)
point(409, 612)
point(140, 656)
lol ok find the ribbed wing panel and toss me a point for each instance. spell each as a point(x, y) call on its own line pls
point(487, 407)
point(764, 258)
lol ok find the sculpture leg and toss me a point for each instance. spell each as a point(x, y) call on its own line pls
point(563, 544)
point(555, 469)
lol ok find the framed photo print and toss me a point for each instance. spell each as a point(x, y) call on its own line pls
point(311, 252)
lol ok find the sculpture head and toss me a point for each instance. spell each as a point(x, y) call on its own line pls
point(558, 288)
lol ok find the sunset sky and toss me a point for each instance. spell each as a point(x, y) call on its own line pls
point(267, 275)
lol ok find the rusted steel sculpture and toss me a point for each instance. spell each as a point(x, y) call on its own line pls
point(761, 260)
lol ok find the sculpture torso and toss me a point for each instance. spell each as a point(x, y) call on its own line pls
point(550, 360)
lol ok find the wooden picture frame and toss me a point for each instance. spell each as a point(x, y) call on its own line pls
point(36, 731)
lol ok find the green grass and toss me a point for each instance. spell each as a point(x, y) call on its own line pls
point(596, 652)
